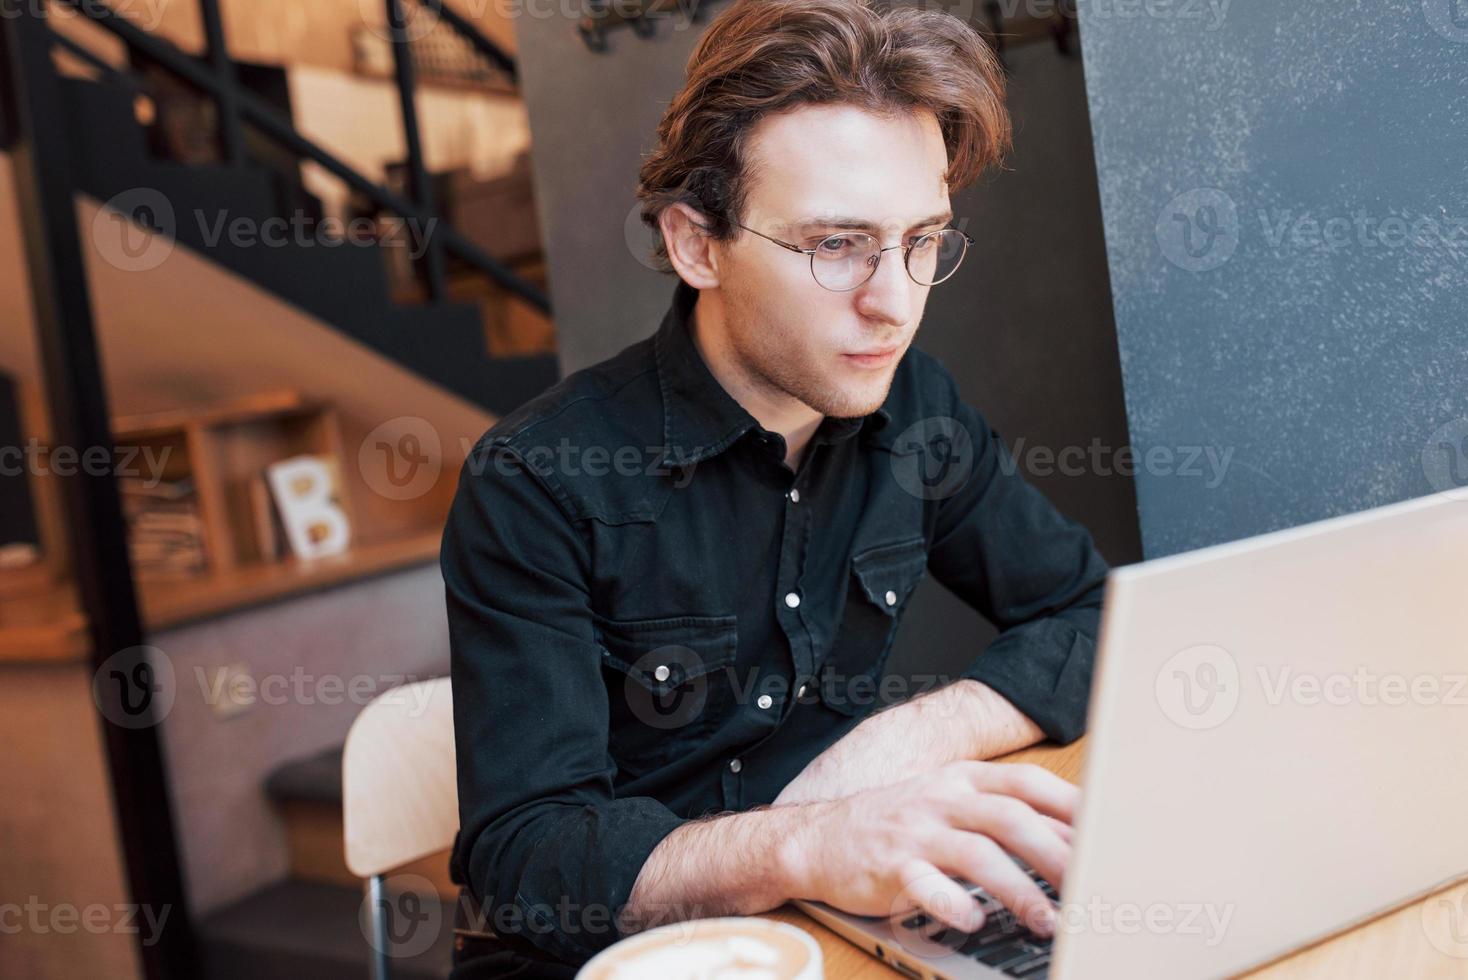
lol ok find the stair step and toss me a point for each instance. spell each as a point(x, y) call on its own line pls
point(294, 929)
point(308, 794)
point(344, 285)
point(313, 779)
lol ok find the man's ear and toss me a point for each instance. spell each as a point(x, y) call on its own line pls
point(690, 248)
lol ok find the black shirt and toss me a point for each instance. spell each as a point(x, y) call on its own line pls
point(653, 618)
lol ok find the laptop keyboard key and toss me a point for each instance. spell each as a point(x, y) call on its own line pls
point(1035, 969)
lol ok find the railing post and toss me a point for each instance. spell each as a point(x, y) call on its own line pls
point(97, 533)
point(420, 186)
point(232, 133)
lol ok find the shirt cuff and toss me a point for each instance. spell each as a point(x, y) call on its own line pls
point(1044, 669)
point(579, 874)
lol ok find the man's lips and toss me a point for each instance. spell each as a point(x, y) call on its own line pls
point(874, 358)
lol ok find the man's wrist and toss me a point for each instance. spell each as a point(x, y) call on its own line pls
point(794, 858)
point(992, 725)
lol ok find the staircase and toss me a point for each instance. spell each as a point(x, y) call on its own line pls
point(342, 282)
point(308, 924)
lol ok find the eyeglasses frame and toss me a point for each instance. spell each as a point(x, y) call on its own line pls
point(906, 250)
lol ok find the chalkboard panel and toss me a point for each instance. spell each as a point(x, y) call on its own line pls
point(1285, 194)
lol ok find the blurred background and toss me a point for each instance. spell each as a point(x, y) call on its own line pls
point(269, 268)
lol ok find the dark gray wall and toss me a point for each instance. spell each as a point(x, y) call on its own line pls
point(1285, 189)
point(1026, 327)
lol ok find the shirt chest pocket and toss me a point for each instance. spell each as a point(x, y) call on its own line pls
point(668, 685)
point(881, 582)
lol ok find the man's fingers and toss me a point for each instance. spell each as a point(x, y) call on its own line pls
point(983, 862)
point(1036, 785)
point(1018, 829)
point(943, 899)
point(1062, 829)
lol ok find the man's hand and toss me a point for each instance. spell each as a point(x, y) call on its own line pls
point(890, 850)
point(965, 720)
point(883, 851)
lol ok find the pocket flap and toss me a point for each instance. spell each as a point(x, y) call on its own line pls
point(663, 654)
point(889, 573)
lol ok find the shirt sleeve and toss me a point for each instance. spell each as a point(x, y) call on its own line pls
point(546, 847)
point(1003, 548)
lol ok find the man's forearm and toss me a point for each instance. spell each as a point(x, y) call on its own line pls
point(733, 864)
point(965, 720)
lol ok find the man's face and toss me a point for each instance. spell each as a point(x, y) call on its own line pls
point(814, 172)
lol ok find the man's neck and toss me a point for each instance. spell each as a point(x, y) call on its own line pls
point(776, 410)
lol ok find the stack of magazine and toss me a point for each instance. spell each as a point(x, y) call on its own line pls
point(164, 526)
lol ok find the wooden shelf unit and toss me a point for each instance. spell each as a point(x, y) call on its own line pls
point(224, 448)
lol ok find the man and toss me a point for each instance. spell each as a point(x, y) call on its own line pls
point(674, 579)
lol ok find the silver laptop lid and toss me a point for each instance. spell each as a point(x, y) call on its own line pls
point(1279, 744)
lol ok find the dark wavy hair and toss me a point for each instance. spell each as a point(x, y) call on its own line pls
point(761, 57)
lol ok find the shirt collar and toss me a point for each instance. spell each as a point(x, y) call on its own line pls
point(700, 418)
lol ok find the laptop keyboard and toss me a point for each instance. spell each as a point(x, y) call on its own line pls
point(1002, 942)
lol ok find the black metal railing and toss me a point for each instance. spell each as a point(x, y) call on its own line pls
point(238, 107)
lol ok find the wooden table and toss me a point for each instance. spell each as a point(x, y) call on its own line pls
point(1390, 946)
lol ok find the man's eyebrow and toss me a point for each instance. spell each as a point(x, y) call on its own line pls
point(861, 224)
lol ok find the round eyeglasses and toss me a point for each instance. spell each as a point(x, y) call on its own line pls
point(848, 259)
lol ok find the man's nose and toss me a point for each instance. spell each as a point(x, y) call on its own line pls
point(887, 295)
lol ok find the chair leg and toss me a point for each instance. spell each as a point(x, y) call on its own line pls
point(378, 968)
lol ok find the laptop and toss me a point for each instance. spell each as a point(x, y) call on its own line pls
point(1278, 731)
